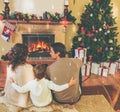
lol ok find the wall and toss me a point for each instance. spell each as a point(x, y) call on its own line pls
point(77, 9)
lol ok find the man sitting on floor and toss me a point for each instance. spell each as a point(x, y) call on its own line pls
point(61, 72)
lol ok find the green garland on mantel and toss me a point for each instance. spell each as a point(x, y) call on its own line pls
point(56, 17)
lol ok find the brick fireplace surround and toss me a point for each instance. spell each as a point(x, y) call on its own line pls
point(38, 27)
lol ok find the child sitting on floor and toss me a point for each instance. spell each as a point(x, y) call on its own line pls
point(40, 88)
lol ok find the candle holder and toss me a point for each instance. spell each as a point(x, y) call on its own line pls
point(66, 8)
point(7, 10)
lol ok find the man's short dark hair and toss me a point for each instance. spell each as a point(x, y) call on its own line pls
point(59, 47)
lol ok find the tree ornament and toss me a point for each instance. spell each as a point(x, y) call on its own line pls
point(104, 25)
point(89, 34)
point(100, 17)
point(106, 48)
point(82, 30)
point(93, 28)
point(79, 39)
point(102, 11)
point(99, 39)
point(100, 50)
point(111, 48)
point(110, 41)
point(105, 33)
point(95, 40)
point(108, 31)
point(97, 0)
point(91, 15)
point(88, 47)
point(96, 31)
point(100, 29)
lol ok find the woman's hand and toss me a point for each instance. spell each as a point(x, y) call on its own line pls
point(72, 82)
point(11, 80)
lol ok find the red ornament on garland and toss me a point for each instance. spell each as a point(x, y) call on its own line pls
point(64, 21)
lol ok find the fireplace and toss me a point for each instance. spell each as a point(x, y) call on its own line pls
point(38, 44)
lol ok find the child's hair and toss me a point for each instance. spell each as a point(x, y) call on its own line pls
point(40, 71)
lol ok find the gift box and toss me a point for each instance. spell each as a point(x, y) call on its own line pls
point(95, 68)
point(81, 54)
point(112, 66)
point(85, 69)
point(103, 71)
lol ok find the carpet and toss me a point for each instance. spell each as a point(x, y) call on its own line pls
point(87, 103)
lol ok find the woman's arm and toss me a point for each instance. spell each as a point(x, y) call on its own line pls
point(22, 89)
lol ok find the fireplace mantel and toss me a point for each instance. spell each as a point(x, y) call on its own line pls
point(42, 22)
point(39, 27)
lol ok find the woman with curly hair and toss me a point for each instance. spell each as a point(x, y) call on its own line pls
point(21, 72)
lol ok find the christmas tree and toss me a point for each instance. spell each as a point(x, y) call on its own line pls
point(97, 32)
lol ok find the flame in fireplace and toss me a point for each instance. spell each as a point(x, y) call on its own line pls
point(38, 46)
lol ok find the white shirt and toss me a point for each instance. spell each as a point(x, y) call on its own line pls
point(40, 91)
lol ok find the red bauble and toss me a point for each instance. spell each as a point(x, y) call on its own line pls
point(100, 50)
point(89, 34)
point(97, 0)
point(82, 30)
point(1, 17)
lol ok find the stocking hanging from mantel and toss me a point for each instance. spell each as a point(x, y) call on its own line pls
point(8, 29)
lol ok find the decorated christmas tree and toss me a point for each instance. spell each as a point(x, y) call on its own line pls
point(97, 32)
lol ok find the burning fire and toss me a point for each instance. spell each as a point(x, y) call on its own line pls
point(38, 46)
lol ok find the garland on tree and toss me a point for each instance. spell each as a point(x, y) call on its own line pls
point(96, 32)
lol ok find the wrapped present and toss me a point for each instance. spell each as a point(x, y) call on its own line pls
point(103, 71)
point(81, 54)
point(112, 67)
point(118, 65)
point(95, 68)
point(86, 69)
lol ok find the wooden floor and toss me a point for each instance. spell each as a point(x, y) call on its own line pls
point(108, 86)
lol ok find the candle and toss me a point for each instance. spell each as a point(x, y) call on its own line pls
point(6, 1)
point(66, 2)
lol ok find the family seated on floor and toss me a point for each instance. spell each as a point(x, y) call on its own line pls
point(27, 85)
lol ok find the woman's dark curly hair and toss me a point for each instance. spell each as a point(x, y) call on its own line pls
point(18, 55)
